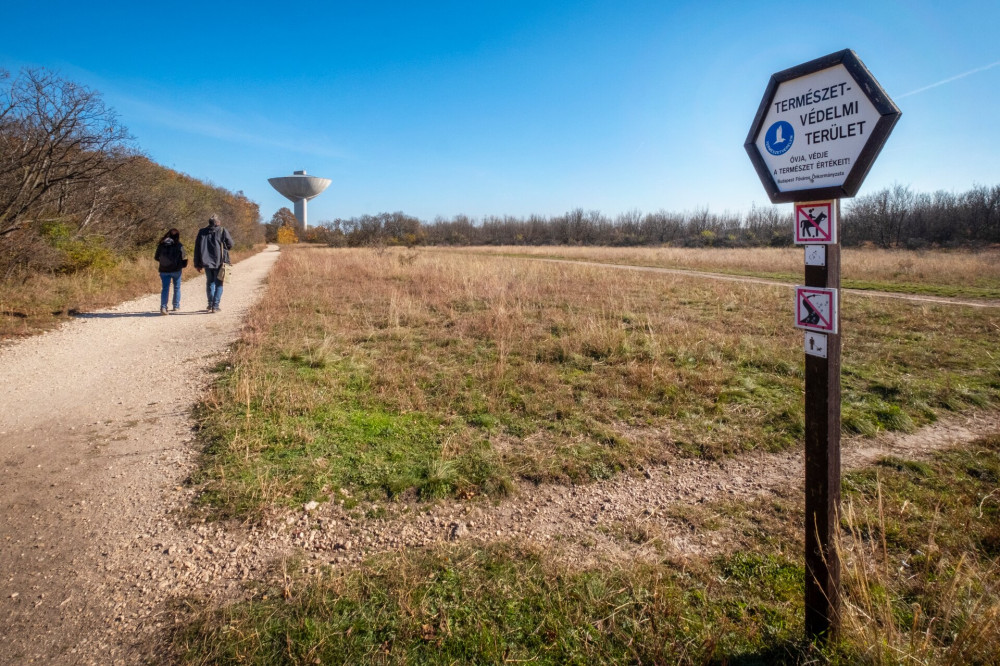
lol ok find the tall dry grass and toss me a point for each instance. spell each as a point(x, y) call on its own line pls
point(37, 302)
point(562, 371)
point(923, 606)
point(932, 267)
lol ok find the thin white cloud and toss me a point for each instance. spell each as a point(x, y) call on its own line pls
point(950, 79)
point(214, 125)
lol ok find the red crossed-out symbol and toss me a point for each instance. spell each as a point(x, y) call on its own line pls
point(811, 219)
point(813, 317)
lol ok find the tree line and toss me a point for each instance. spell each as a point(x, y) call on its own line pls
point(894, 217)
point(76, 192)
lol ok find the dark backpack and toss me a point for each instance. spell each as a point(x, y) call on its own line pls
point(170, 258)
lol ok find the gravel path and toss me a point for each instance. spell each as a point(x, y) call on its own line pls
point(99, 555)
point(596, 523)
point(95, 442)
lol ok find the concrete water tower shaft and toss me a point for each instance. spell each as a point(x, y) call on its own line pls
point(300, 188)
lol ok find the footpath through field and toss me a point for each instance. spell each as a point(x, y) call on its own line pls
point(95, 443)
point(920, 298)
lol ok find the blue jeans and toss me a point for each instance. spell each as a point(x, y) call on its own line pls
point(213, 287)
point(166, 279)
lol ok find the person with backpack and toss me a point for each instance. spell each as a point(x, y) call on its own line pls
point(172, 259)
point(211, 254)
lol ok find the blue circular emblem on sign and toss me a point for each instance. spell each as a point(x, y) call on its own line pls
point(779, 138)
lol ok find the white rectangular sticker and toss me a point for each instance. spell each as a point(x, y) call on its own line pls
point(815, 344)
point(815, 255)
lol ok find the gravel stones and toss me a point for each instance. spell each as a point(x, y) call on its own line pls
point(456, 531)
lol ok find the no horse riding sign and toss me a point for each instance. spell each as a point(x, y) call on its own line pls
point(816, 223)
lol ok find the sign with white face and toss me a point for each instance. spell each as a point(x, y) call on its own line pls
point(816, 223)
point(819, 128)
point(815, 129)
point(815, 344)
point(816, 309)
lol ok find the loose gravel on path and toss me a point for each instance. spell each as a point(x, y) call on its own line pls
point(583, 525)
point(95, 442)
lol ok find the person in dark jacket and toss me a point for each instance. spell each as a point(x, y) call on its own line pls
point(211, 251)
point(172, 258)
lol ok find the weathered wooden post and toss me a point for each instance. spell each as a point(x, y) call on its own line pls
point(819, 128)
point(817, 309)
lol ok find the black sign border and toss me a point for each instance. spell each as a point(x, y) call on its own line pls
point(889, 115)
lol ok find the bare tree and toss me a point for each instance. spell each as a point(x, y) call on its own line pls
point(54, 135)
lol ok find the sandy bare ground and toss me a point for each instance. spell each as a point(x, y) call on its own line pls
point(99, 556)
point(588, 525)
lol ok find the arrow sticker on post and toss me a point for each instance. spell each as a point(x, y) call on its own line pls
point(816, 309)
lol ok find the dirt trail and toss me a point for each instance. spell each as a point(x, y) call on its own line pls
point(96, 441)
point(919, 298)
point(95, 438)
point(588, 525)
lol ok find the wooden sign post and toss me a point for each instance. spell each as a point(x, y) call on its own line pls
point(823, 462)
point(817, 132)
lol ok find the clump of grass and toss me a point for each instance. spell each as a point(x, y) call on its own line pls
point(920, 559)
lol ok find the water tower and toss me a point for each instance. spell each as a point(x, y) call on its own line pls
point(300, 188)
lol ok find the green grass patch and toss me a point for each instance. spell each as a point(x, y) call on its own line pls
point(919, 555)
point(459, 374)
point(313, 452)
point(504, 604)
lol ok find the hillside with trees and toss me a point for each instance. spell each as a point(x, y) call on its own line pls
point(77, 193)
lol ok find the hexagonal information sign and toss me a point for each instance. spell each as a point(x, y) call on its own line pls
point(819, 128)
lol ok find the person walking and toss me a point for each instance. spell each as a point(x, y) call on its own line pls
point(172, 258)
point(211, 253)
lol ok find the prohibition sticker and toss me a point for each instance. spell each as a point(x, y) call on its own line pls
point(816, 309)
point(815, 223)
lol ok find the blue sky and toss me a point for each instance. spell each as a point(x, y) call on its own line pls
point(442, 108)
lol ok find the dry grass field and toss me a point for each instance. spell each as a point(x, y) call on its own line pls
point(492, 368)
point(947, 273)
point(412, 375)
